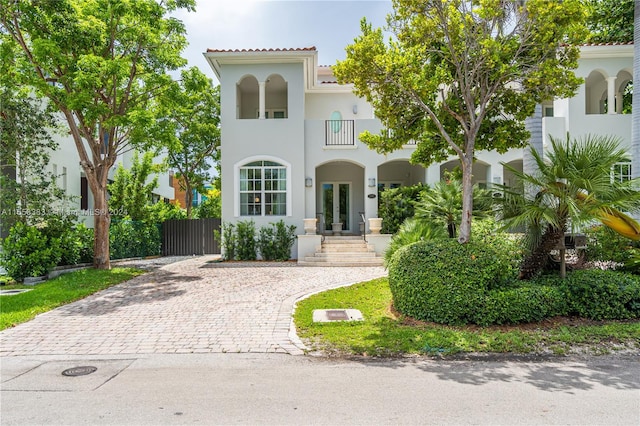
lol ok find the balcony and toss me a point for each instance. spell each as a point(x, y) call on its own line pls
point(339, 133)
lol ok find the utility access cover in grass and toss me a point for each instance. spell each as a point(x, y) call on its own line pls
point(330, 315)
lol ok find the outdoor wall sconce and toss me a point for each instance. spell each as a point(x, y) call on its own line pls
point(372, 182)
point(355, 109)
point(308, 182)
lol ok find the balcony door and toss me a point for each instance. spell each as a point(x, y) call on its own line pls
point(336, 204)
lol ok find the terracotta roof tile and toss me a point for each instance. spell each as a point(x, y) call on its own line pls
point(613, 43)
point(294, 49)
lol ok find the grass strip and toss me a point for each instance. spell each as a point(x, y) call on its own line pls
point(67, 288)
point(384, 333)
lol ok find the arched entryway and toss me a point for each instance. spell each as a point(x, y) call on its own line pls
point(340, 195)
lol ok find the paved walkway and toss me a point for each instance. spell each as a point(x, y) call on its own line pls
point(191, 306)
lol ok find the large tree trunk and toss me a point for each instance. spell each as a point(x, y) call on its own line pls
point(536, 261)
point(188, 199)
point(101, 224)
point(467, 199)
point(97, 179)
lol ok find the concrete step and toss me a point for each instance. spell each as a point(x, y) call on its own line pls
point(310, 261)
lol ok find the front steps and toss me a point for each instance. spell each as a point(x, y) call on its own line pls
point(343, 251)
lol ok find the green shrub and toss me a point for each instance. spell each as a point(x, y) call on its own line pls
point(85, 236)
point(246, 240)
point(63, 228)
point(412, 231)
point(445, 281)
point(128, 238)
point(604, 244)
point(489, 232)
point(27, 252)
point(398, 204)
point(266, 243)
point(229, 242)
point(284, 237)
point(522, 304)
point(600, 295)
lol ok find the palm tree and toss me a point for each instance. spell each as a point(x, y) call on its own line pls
point(572, 187)
point(442, 204)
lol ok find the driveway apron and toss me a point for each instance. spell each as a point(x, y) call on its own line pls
point(193, 306)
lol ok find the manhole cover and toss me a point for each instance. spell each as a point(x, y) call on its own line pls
point(13, 291)
point(79, 371)
point(337, 315)
point(329, 315)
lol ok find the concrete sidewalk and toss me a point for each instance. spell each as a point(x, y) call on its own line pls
point(191, 306)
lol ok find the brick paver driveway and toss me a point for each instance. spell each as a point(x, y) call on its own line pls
point(190, 306)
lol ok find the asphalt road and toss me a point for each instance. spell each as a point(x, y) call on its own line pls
point(208, 389)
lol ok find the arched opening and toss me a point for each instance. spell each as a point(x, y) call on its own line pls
point(480, 171)
point(247, 97)
point(508, 177)
point(276, 97)
point(595, 93)
point(624, 92)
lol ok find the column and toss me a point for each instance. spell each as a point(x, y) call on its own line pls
point(611, 95)
point(262, 85)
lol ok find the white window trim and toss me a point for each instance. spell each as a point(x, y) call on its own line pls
point(613, 170)
point(236, 182)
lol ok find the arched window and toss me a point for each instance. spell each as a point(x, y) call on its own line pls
point(596, 93)
point(276, 97)
point(263, 189)
point(247, 97)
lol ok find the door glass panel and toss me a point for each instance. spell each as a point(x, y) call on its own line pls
point(327, 203)
point(344, 205)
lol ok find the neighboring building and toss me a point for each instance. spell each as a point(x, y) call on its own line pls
point(180, 196)
point(64, 163)
point(290, 146)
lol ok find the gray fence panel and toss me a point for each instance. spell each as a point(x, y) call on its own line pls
point(184, 237)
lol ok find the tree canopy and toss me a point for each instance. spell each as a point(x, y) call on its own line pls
point(189, 126)
point(610, 21)
point(459, 76)
point(99, 62)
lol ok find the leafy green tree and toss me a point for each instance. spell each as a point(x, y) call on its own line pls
point(131, 193)
point(573, 187)
point(189, 123)
point(460, 76)
point(28, 191)
point(610, 20)
point(212, 206)
point(98, 62)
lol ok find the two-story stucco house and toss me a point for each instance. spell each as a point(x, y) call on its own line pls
point(290, 147)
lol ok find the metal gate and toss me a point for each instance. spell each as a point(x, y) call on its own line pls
point(184, 237)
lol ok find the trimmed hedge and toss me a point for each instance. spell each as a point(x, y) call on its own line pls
point(601, 295)
point(445, 281)
point(449, 283)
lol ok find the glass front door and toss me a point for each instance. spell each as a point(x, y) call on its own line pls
point(336, 204)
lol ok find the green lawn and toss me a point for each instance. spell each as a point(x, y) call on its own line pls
point(384, 334)
point(66, 288)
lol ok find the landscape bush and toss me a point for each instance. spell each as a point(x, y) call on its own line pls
point(412, 231)
point(276, 240)
point(522, 304)
point(129, 238)
point(604, 244)
point(246, 240)
point(444, 281)
point(398, 204)
point(603, 295)
point(27, 252)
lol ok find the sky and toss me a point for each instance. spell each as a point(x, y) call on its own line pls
point(328, 25)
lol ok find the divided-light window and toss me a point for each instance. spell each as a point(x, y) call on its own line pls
point(263, 189)
point(621, 172)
